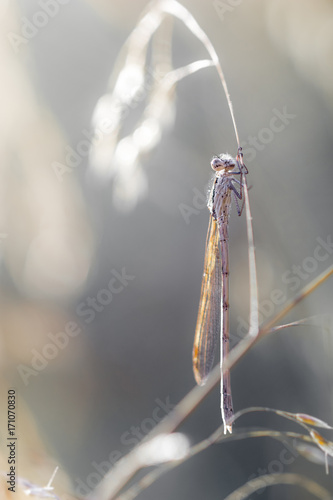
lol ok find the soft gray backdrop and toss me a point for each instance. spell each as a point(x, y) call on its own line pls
point(276, 56)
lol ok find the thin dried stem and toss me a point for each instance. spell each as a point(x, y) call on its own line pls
point(127, 467)
point(152, 476)
point(177, 10)
point(217, 437)
point(118, 477)
point(324, 321)
point(255, 433)
point(178, 74)
point(306, 290)
point(300, 418)
point(254, 303)
point(278, 479)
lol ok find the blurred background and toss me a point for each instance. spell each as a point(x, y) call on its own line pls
point(101, 265)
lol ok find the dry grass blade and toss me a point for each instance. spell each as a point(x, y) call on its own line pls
point(154, 475)
point(325, 445)
point(176, 9)
point(300, 418)
point(279, 479)
point(178, 74)
point(244, 345)
point(307, 290)
point(254, 305)
point(218, 436)
point(313, 454)
point(255, 433)
point(126, 468)
point(305, 421)
point(114, 156)
point(323, 321)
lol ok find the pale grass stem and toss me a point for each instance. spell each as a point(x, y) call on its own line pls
point(125, 469)
point(278, 479)
point(213, 312)
point(114, 481)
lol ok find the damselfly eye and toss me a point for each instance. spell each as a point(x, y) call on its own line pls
point(223, 161)
point(217, 163)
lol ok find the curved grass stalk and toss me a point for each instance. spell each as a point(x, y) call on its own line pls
point(127, 467)
point(323, 321)
point(300, 418)
point(278, 479)
point(217, 437)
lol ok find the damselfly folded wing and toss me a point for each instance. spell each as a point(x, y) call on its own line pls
point(208, 326)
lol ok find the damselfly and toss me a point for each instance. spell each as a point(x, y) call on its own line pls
point(213, 314)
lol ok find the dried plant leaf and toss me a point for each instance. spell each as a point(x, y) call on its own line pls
point(305, 419)
point(313, 454)
point(326, 446)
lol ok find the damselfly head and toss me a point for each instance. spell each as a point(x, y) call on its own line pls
point(223, 162)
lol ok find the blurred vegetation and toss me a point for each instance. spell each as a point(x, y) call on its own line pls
point(62, 236)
